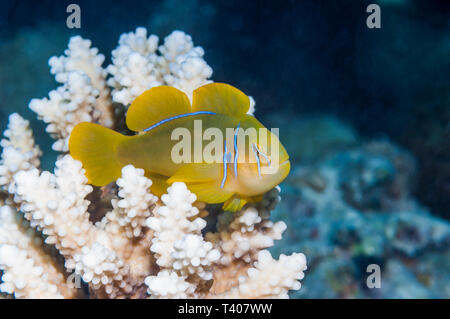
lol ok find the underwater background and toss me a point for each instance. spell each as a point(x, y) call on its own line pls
point(364, 114)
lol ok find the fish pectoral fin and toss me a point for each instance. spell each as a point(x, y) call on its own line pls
point(156, 105)
point(203, 180)
point(220, 98)
point(196, 173)
point(209, 192)
point(234, 203)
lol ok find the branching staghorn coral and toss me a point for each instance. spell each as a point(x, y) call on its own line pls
point(80, 57)
point(144, 246)
point(30, 270)
point(83, 96)
point(178, 245)
point(139, 64)
point(19, 150)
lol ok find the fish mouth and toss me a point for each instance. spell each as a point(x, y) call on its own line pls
point(283, 164)
point(284, 169)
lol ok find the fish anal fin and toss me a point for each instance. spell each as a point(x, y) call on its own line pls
point(209, 192)
point(155, 105)
point(220, 98)
point(159, 184)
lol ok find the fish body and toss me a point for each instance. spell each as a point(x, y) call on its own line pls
point(219, 163)
point(152, 150)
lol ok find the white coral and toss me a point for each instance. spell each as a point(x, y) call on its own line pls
point(14, 230)
point(168, 284)
point(134, 67)
point(81, 57)
point(134, 205)
point(19, 150)
point(193, 255)
point(29, 271)
point(138, 65)
point(22, 277)
point(83, 96)
point(183, 63)
point(100, 267)
point(241, 235)
point(66, 106)
point(172, 221)
point(177, 242)
point(49, 200)
point(270, 278)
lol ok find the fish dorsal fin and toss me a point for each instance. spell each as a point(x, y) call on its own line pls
point(220, 98)
point(156, 105)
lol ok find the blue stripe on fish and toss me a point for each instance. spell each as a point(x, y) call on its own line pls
point(257, 159)
point(224, 165)
point(236, 151)
point(177, 117)
point(264, 155)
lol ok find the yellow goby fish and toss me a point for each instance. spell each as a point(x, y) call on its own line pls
point(238, 173)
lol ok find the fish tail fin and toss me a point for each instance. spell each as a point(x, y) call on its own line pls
point(95, 146)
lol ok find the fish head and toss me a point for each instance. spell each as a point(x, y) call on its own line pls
point(266, 164)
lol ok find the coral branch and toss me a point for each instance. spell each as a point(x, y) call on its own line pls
point(23, 277)
point(49, 200)
point(81, 57)
point(178, 243)
point(243, 234)
point(135, 204)
point(83, 97)
point(19, 151)
point(138, 65)
point(29, 270)
point(270, 278)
